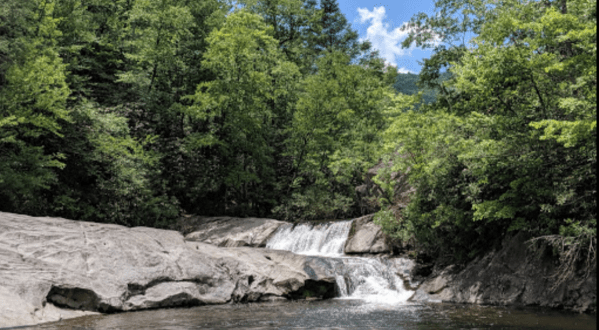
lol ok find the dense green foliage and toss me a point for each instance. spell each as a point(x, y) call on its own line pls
point(511, 144)
point(136, 111)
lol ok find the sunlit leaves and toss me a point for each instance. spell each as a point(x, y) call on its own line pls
point(568, 133)
point(334, 135)
point(243, 106)
point(511, 143)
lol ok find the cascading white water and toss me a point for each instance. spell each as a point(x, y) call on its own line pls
point(325, 239)
point(371, 280)
point(357, 278)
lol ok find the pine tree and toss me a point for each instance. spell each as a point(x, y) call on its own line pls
point(332, 31)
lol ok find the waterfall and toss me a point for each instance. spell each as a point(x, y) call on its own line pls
point(371, 280)
point(326, 239)
point(368, 279)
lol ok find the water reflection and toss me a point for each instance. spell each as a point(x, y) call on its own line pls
point(334, 314)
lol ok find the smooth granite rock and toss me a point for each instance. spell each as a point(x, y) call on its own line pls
point(229, 231)
point(53, 268)
point(365, 237)
point(265, 273)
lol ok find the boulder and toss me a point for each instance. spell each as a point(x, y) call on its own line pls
point(512, 275)
point(365, 237)
point(229, 231)
point(53, 268)
point(263, 274)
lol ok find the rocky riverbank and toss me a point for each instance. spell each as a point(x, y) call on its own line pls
point(512, 275)
point(53, 268)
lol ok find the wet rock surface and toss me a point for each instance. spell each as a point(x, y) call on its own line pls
point(228, 231)
point(512, 275)
point(53, 268)
point(365, 237)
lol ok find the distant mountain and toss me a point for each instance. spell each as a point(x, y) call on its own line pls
point(406, 83)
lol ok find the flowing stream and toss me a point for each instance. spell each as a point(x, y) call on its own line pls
point(367, 279)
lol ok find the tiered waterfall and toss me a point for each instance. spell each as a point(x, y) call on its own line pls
point(371, 279)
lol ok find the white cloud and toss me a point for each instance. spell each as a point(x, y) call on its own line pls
point(386, 40)
point(404, 70)
point(379, 33)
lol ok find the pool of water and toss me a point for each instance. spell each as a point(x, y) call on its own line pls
point(334, 314)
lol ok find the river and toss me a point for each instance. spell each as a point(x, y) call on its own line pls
point(334, 314)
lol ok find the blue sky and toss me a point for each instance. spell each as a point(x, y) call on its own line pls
point(379, 22)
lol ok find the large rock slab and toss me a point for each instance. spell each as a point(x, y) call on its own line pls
point(513, 275)
point(53, 268)
point(229, 231)
point(365, 237)
point(268, 274)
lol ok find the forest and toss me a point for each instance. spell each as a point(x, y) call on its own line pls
point(138, 111)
